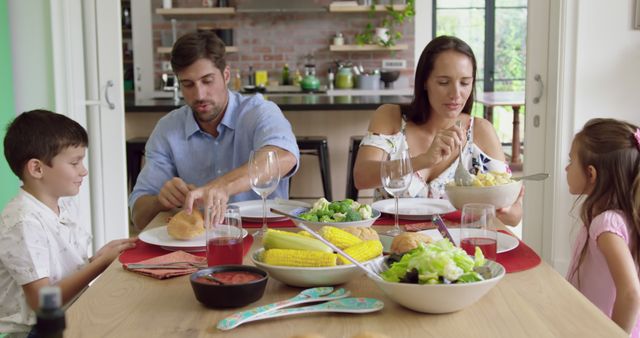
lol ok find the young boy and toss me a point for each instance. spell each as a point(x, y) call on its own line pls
point(41, 242)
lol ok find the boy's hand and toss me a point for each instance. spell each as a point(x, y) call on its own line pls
point(111, 250)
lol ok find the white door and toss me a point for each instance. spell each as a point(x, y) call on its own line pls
point(87, 50)
point(103, 66)
point(536, 123)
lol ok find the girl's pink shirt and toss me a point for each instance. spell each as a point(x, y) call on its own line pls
point(595, 281)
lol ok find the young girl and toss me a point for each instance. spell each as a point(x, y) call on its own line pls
point(604, 168)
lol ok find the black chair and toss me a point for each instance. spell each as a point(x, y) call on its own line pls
point(135, 154)
point(352, 192)
point(318, 146)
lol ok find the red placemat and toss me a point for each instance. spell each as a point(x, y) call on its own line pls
point(144, 251)
point(519, 259)
point(279, 224)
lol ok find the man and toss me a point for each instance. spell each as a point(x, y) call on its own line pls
point(207, 142)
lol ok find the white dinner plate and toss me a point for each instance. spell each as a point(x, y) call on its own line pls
point(505, 242)
point(251, 211)
point(417, 209)
point(160, 237)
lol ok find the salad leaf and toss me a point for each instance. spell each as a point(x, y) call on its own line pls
point(437, 262)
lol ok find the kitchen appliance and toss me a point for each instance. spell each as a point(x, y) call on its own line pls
point(388, 77)
point(310, 82)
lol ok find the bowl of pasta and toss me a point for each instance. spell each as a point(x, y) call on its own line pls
point(497, 189)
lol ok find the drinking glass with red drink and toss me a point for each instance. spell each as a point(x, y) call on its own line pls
point(224, 238)
point(477, 229)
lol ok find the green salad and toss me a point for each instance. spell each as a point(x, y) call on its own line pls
point(437, 263)
point(346, 210)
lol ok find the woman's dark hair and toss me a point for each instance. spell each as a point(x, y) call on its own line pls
point(419, 110)
point(194, 46)
point(42, 135)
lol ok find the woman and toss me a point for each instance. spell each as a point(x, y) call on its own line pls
point(443, 94)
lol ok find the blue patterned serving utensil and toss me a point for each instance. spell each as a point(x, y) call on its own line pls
point(442, 228)
point(347, 305)
point(309, 295)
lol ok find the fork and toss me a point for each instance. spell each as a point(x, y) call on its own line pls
point(462, 176)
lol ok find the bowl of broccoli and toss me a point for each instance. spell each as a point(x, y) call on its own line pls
point(341, 214)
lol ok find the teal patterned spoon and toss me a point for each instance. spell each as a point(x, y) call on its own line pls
point(348, 305)
point(308, 295)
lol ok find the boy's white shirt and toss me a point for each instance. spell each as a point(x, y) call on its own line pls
point(36, 243)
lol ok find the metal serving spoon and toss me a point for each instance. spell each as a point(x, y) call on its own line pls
point(532, 177)
point(306, 296)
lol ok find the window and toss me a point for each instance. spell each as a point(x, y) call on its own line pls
point(497, 32)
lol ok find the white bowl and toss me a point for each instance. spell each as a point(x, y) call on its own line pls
point(310, 277)
point(499, 195)
point(317, 225)
point(439, 298)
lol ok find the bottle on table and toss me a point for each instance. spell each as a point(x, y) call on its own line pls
point(252, 79)
point(50, 320)
point(237, 81)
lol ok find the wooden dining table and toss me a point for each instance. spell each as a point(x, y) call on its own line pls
point(534, 303)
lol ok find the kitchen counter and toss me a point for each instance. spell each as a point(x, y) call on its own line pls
point(286, 102)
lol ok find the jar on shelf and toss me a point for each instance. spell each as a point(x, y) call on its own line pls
point(338, 39)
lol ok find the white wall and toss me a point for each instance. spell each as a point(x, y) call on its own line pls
point(607, 84)
point(31, 54)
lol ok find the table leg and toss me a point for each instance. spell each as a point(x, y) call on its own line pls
point(488, 113)
point(515, 146)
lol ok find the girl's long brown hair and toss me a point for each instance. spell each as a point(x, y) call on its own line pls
point(610, 146)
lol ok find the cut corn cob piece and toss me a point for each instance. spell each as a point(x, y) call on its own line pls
point(278, 239)
point(305, 234)
point(299, 258)
point(363, 251)
point(339, 237)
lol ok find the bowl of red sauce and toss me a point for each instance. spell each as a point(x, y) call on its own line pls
point(241, 285)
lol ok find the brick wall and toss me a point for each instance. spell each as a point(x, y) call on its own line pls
point(267, 41)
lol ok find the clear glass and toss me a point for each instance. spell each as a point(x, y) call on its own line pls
point(477, 229)
point(224, 237)
point(396, 174)
point(264, 175)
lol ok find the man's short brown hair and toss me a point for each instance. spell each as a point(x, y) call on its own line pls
point(194, 46)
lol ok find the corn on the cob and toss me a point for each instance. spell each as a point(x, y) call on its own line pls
point(339, 237)
point(277, 239)
point(363, 251)
point(305, 234)
point(299, 258)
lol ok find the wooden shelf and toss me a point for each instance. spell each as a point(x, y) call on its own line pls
point(366, 48)
point(167, 50)
point(195, 11)
point(362, 9)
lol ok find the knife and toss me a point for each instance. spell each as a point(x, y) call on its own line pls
point(442, 228)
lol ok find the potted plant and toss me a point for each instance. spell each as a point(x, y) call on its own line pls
point(387, 27)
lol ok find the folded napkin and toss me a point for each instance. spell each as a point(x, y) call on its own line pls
point(173, 257)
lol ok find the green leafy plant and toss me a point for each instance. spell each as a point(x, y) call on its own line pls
point(392, 18)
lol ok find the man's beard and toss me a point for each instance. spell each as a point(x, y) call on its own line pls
point(209, 115)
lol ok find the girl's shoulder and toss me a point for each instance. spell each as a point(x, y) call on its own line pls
point(386, 120)
point(613, 221)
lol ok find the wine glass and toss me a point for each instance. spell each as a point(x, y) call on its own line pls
point(477, 229)
point(264, 175)
point(396, 174)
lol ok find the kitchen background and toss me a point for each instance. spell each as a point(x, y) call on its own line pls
point(277, 34)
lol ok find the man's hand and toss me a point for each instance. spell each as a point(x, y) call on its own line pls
point(173, 193)
point(112, 250)
point(213, 195)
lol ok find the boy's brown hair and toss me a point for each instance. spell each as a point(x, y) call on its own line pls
point(42, 135)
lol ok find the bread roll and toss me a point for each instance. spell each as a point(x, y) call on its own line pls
point(364, 233)
point(183, 226)
point(408, 241)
